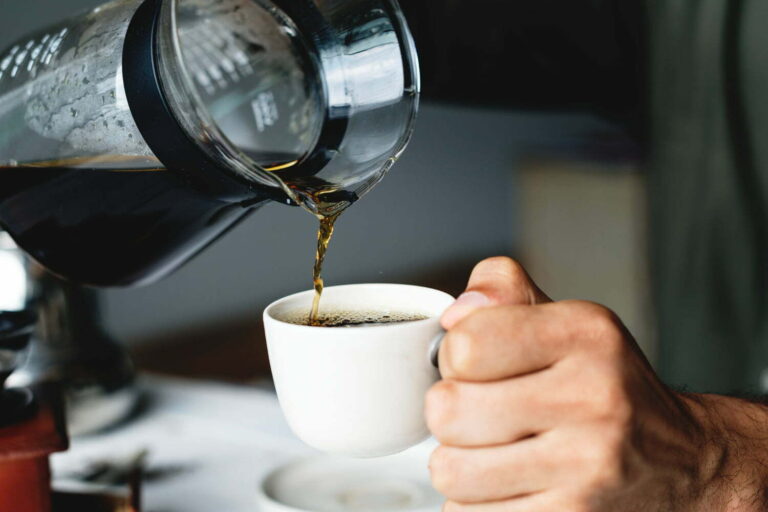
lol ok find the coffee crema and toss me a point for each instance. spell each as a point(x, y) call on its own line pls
point(354, 318)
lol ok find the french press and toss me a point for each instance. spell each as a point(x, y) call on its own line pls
point(134, 135)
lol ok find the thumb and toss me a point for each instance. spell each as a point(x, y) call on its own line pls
point(494, 282)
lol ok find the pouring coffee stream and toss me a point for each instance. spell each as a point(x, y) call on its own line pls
point(324, 235)
point(327, 213)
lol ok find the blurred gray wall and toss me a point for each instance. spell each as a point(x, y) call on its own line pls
point(450, 199)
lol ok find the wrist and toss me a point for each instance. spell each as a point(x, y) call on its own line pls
point(733, 466)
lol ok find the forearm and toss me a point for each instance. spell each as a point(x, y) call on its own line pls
point(735, 453)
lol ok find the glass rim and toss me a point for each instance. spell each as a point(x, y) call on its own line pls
point(248, 169)
point(245, 167)
point(269, 311)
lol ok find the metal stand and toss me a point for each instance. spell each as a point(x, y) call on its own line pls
point(71, 350)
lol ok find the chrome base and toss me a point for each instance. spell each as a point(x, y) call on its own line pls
point(98, 389)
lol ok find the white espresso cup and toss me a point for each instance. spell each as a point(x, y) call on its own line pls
point(356, 391)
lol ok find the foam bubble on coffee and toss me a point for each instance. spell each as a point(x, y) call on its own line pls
point(354, 318)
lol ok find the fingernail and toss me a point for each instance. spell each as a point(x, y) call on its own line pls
point(472, 299)
point(464, 305)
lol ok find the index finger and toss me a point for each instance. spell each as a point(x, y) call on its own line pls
point(494, 282)
point(508, 341)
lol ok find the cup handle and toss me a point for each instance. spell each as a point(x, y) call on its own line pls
point(434, 349)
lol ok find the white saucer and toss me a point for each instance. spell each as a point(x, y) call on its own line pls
point(399, 483)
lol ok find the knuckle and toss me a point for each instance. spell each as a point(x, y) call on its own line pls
point(440, 406)
point(572, 500)
point(511, 282)
point(502, 265)
point(612, 406)
point(605, 324)
point(611, 398)
point(444, 470)
point(621, 415)
point(607, 462)
point(607, 478)
point(578, 505)
point(581, 503)
point(604, 329)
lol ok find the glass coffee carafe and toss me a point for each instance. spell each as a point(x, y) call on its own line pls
point(133, 136)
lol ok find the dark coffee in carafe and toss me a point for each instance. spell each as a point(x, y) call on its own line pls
point(110, 226)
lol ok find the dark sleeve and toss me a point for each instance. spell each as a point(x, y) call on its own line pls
point(537, 54)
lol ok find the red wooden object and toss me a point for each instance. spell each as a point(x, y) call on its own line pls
point(25, 483)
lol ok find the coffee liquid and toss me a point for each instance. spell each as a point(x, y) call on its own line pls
point(356, 318)
point(108, 221)
point(324, 235)
point(326, 203)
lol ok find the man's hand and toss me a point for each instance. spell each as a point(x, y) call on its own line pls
point(551, 406)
